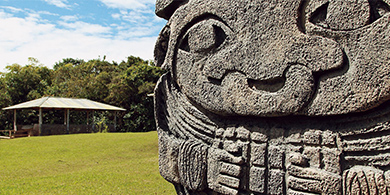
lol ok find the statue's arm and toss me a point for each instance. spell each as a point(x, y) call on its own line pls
point(197, 166)
point(190, 155)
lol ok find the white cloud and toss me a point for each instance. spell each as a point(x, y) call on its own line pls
point(116, 16)
point(4, 15)
point(137, 23)
point(69, 18)
point(85, 28)
point(58, 3)
point(12, 9)
point(51, 42)
point(127, 4)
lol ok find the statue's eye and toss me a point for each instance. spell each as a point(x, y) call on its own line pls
point(348, 14)
point(205, 36)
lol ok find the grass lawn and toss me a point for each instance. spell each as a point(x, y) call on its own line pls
point(102, 163)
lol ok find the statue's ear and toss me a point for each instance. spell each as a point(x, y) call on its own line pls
point(165, 8)
point(161, 47)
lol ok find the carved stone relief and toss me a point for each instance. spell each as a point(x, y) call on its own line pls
point(274, 96)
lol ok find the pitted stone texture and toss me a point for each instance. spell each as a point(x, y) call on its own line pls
point(364, 180)
point(348, 14)
point(274, 96)
point(165, 8)
point(345, 44)
point(364, 81)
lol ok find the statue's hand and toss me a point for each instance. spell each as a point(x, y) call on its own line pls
point(224, 171)
point(304, 180)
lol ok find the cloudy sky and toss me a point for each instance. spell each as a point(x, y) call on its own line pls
point(51, 30)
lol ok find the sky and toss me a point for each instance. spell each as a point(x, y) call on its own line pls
point(51, 30)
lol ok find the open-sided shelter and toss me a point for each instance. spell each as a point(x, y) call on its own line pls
point(66, 104)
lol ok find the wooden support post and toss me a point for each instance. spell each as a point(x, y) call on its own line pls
point(115, 120)
point(15, 128)
point(93, 121)
point(67, 120)
point(40, 121)
point(65, 117)
point(88, 129)
point(87, 117)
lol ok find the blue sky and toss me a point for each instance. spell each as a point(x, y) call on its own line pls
point(51, 30)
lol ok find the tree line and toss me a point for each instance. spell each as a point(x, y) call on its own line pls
point(126, 84)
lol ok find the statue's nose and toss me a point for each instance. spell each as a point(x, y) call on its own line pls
point(318, 53)
point(268, 60)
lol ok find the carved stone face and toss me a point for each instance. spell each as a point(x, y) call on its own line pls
point(272, 59)
point(256, 58)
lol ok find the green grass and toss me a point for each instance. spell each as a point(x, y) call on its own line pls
point(103, 163)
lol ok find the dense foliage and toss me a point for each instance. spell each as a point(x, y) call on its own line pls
point(125, 85)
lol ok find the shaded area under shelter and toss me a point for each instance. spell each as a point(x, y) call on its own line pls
point(64, 104)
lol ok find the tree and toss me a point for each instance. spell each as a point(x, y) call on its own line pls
point(5, 101)
point(63, 62)
point(20, 84)
point(131, 89)
point(28, 82)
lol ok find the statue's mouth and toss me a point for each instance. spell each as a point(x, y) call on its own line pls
point(269, 85)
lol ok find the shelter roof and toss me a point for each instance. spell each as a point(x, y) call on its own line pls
point(64, 103)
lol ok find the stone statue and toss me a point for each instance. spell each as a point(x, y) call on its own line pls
point(274, 96)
